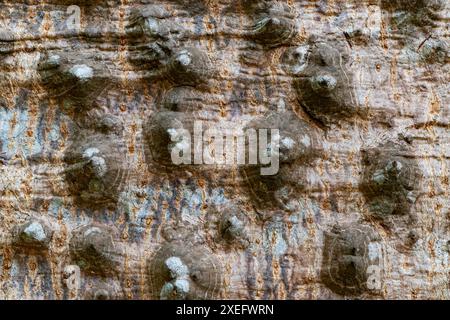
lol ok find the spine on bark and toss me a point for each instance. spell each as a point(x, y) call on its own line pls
point(190, 67)
point(435, 51)
point(275, 24)
point(93, 249)
point(180, 271)
point(349, 259)
point(229, 226)
point(390, 182)
point(325, 86)
point(165, 133)
point(295, 145)
point(97, 169)
point(73, 82)
point(151, 37)
point(34, 235)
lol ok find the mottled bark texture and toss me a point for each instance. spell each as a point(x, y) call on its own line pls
point(92, 207)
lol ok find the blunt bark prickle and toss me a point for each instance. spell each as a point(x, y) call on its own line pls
point(94, 96)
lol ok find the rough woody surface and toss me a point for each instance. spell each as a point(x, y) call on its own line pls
point(92, 208)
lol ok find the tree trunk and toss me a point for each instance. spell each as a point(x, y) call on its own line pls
point(109, 189)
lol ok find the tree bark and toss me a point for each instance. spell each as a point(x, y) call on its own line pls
point(96, 96)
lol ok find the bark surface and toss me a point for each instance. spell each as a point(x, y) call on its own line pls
point(91, 206)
